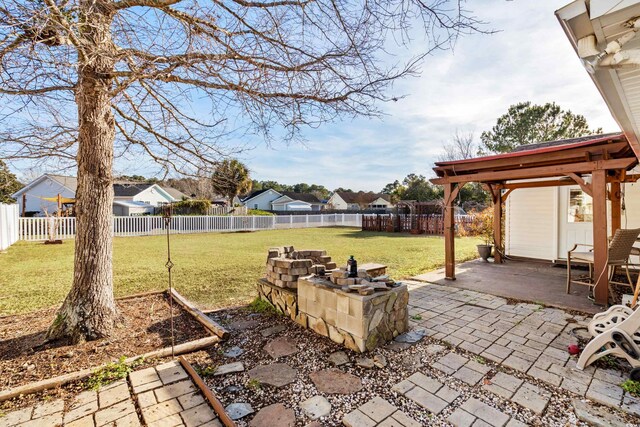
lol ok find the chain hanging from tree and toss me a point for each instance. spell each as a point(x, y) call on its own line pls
point(167, 211)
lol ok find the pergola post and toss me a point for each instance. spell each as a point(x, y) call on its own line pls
point(600, 242)
point(449, 232)
point(497, 224)
point(616, 207)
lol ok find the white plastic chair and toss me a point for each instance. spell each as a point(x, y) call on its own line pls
point(616, 332)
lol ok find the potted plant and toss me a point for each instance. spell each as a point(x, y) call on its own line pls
point(482, 226)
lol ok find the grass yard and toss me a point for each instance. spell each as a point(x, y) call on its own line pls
point(214, 269)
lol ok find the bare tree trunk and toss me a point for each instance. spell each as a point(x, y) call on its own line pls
point(89, 310)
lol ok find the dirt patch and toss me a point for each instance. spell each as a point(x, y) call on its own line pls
point(145, 326)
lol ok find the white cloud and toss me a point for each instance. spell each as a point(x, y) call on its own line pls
point(530, 59)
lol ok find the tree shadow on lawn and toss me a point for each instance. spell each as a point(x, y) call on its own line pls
point(371, 234)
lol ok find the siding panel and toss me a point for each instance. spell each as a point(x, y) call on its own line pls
point(529, 226)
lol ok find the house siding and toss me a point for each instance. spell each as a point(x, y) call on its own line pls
point(263, 201)
point(151, 196)
point(531, 223)
point(46, 188)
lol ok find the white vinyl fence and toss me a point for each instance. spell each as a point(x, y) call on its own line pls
point(123, 226)
point(8, 225)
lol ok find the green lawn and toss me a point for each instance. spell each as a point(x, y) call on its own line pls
point(211, 269)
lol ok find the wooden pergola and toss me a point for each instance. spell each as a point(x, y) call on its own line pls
point(598, 164)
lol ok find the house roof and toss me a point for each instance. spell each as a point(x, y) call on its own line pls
point(132, 204)
point(129, 190)
point(607, 21)
point(304, 197)
point(176, 194)
point(352, 197)
point(71, 182)
point(257, 193)
point(568, 141)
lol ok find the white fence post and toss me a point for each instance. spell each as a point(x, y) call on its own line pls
point(9, 225)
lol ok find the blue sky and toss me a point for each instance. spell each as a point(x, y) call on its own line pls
point(464, 90)
point(530, 59)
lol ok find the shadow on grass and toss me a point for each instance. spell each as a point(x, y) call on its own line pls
point(358, 234)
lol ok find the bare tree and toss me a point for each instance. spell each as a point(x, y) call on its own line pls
point(462, 146)
point(177, 81)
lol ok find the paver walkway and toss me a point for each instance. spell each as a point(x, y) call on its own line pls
point(159, 396)
point(527, 339)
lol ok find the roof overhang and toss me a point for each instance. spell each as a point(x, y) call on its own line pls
point(619, 87)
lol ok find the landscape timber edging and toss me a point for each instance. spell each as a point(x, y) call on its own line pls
point(208, 393)
point(49, 383)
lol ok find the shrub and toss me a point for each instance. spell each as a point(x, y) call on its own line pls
point(195, 207)
point(258, 212)
point(482, 225)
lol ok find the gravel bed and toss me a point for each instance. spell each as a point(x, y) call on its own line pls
point(313, 355)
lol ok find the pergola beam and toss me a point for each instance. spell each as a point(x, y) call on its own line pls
point(565, 156)
point(539, 172)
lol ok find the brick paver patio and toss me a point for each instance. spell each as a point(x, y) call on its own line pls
point(164, 396)
point(525, 338)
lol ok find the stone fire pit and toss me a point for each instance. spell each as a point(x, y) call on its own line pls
point(297, 287)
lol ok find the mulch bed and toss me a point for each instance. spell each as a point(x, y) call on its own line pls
point(145, 326)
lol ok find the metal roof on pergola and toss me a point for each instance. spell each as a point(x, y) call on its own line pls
point(606, 159)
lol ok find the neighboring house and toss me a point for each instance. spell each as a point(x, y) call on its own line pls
point(176, 194)
point(30, 197)
point(131, 208)
point(346, 200)
point(129, 198)
point(272, 200)
point(261, 199)
point(290, 201)
point(150, 194)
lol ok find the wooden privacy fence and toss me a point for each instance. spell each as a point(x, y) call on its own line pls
point(8, 225)
point(35, 229)
point(417, 224)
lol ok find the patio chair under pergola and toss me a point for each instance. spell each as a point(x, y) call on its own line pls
point(598, 164)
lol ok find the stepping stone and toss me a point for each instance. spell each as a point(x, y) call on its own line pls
point(281, 347)
point(229, 368)
point(596, 416)
point(272, 330)
point(274, 415)
point(339, 358)
point(238, 410)
point(316, 407)
point(275, 374)
point(412, 362)
point(365, 362)
point(242, 325)
point(233, 352)
point(411, 337)
point(334, 381)
point(397, 346)
point(380, 361)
